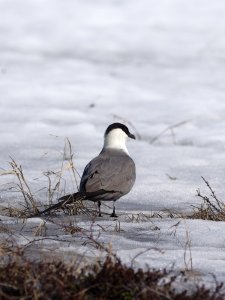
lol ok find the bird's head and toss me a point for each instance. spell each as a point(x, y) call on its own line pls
point(116, 136)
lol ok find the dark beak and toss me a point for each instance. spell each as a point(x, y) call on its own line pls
point(132, 136)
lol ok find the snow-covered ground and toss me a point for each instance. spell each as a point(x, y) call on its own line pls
point(70, 68)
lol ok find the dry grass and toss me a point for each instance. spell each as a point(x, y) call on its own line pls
point(169, 129)
point(23, 187)
point(211, 207)
point(31, 205)
point(141, 217)
point(22, 279)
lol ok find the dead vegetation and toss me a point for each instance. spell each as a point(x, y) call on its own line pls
point(211, 207)
point(54, 189)
point(23, 187)
point(110, 279)
point(169, 129)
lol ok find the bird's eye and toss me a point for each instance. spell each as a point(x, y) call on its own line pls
point(92, 175)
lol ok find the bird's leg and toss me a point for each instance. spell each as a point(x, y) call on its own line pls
point(99, 208)
point(113, 215)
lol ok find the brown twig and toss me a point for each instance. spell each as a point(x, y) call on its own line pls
point(23, 186)
point(169, 128)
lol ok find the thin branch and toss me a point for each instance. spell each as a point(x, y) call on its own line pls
point(171, 129)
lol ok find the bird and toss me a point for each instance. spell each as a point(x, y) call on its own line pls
point(109, 176)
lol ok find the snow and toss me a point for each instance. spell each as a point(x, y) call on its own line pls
point(69, 69)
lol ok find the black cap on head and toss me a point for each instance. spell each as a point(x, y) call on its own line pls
point(120, 126)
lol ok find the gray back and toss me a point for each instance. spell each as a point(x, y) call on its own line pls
point(112, 171)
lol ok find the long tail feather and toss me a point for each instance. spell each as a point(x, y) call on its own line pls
point(68, 199)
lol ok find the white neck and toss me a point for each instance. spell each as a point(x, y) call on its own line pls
point(116, 139)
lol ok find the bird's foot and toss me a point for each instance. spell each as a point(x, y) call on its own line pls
point(113, 215)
